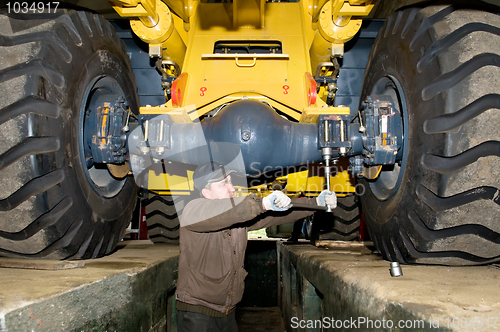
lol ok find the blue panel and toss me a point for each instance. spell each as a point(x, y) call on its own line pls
point(350, 81)
point(147, 77)
point(356, 54)
point(370, 28)
point(138, 57)
point(353, 65)
point(149, 82)
point(152, 100)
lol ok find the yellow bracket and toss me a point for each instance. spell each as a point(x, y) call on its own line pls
point(341, 7)
point(175, 184)
point(131, 8)
point(311, 114)
point(203, 109)
point(357, 8)
point(177, 114)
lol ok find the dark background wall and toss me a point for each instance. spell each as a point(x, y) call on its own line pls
point(261, 283)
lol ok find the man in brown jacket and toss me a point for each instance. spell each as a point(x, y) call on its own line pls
point(213, 239)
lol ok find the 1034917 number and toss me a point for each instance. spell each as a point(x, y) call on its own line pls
point(472, 322)
point(24, 7)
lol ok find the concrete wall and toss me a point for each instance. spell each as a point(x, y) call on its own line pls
point(130, 290)
point(321, 288)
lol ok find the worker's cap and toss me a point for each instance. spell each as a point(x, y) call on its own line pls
point(209, 172)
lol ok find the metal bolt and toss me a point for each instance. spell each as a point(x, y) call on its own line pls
point(160, 150)
point(160, 135)
point(342, 131)
point(343, 151)
point(396, 270)
point(362, 129)
point(327, 130)
point(146, 130)
point(144, 149)
point(246, 135)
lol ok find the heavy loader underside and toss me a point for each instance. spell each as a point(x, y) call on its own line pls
point(295, 96)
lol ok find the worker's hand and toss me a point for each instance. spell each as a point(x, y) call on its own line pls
point(327, 198)
point(276, 201)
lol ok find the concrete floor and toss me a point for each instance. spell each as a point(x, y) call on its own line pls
point(132, 290)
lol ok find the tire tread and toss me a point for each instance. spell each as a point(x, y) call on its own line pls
point(32, 188)
point(446, 165)
point(30, 146)
point(438, 204)
point(162, 218)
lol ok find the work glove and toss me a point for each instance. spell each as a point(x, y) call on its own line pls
point(327, 198)
point(276, 201)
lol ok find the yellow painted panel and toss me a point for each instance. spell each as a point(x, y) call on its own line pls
point(310, 114)
point(315, 185)
point(176, 193)
point(222, 71)
point(297, 181)
point(194, 114)
point(170, 182)
point(130, 8)
point(357, 10)
point(342, 182)
point(278, 79)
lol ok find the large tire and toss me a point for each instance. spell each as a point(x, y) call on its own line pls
point(52, 205)
point(441, 204)
point(341, 224)
point(162, 218)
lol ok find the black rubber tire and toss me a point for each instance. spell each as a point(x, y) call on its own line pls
point(162, 218)
point(48, 207)
point(343, 226)
point(443, 64)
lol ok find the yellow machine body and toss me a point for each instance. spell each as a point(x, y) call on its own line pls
point(308, 35)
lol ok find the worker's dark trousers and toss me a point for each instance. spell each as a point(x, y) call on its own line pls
point(195, 322)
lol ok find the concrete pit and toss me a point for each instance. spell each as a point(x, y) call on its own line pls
point(312, 289)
